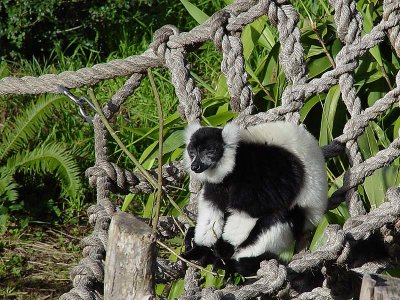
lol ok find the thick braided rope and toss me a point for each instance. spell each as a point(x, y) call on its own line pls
point(356, 228)
point(292, 55)
point(319, 85)
point(391, 9)
point(349, 25)
point(233, 65)
point(273, 276)
point(356, 174)
point(125, 182)
point(90, 270)
point(119, 67)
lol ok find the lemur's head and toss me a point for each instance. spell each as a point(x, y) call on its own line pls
point(210, 151)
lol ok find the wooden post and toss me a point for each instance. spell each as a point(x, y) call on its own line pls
point(130, 260)
point(379, 287)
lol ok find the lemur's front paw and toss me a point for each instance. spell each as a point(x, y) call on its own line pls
point(189, 239)
point(208, 235)
point(223, 249)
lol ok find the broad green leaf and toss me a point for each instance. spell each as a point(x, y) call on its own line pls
point(177, 154)
point(250, 36)
point(148, 208)
point(221, 118)
point(148, 151)
point(212, 280)
point(318, 66)
point(336, 47)
point(127, 200)
point(195, 12)
point(175, 140)
point(159, 288)
point(176, 289)
point(3, 69)
point(376, 53)
point(373, 96)
point(172, 142)
point(318, 238)
point(268, 68)
point(365, 77)
point(374, 185)
point(314, 51)
point(152, 133)
point(396, 128)
point(268, 39)
point(308, 106)
point(221, 90)
point(328, 115)
point(382, 137)
point(367, 143)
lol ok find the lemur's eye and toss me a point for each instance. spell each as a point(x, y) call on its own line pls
point(192, 153)
point(210, 149)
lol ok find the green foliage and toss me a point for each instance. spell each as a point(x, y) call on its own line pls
point(27, 125)
point(20, 153)
point(87, 23)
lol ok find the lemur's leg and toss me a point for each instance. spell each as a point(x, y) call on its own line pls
point(237, 227)
point(210, 223)
point(273, 238)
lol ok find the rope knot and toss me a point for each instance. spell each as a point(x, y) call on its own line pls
point(218, 27)
point(273, 272)
point(101, 169)
point(161, 38)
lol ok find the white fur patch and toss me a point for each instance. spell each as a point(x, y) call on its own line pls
point(297, 140)
point(190, 129)
point(210, 223)
point(223, 167)
point(274, 239)
point(238, 227)
point(231, 134)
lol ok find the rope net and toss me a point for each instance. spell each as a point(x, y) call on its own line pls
point(335, 259)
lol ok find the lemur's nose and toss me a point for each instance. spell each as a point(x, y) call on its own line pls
point(195, 167)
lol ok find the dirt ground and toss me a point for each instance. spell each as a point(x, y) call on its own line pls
point(35, 261)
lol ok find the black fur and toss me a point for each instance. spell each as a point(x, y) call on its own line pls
point(205, 148)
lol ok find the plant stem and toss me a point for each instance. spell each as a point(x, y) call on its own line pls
point(145, 173)
point(314, 28)
point(187, 261)
point(99, 111)
point(160, 147)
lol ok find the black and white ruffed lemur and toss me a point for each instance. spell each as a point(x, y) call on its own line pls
point(263, 187)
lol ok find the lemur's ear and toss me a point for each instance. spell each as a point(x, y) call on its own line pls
point(190, 129)
point(231, 134)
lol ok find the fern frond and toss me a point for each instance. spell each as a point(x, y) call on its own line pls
point(8, 187)
point(53, 158)
point(27, 125)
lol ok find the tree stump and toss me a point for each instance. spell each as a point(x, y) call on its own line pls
point(379, 287)
point(130, 260)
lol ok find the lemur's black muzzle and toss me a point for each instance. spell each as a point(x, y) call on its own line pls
point(196, 167)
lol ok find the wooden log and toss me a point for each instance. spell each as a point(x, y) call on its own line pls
point(379, 287)
point(131, 259)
